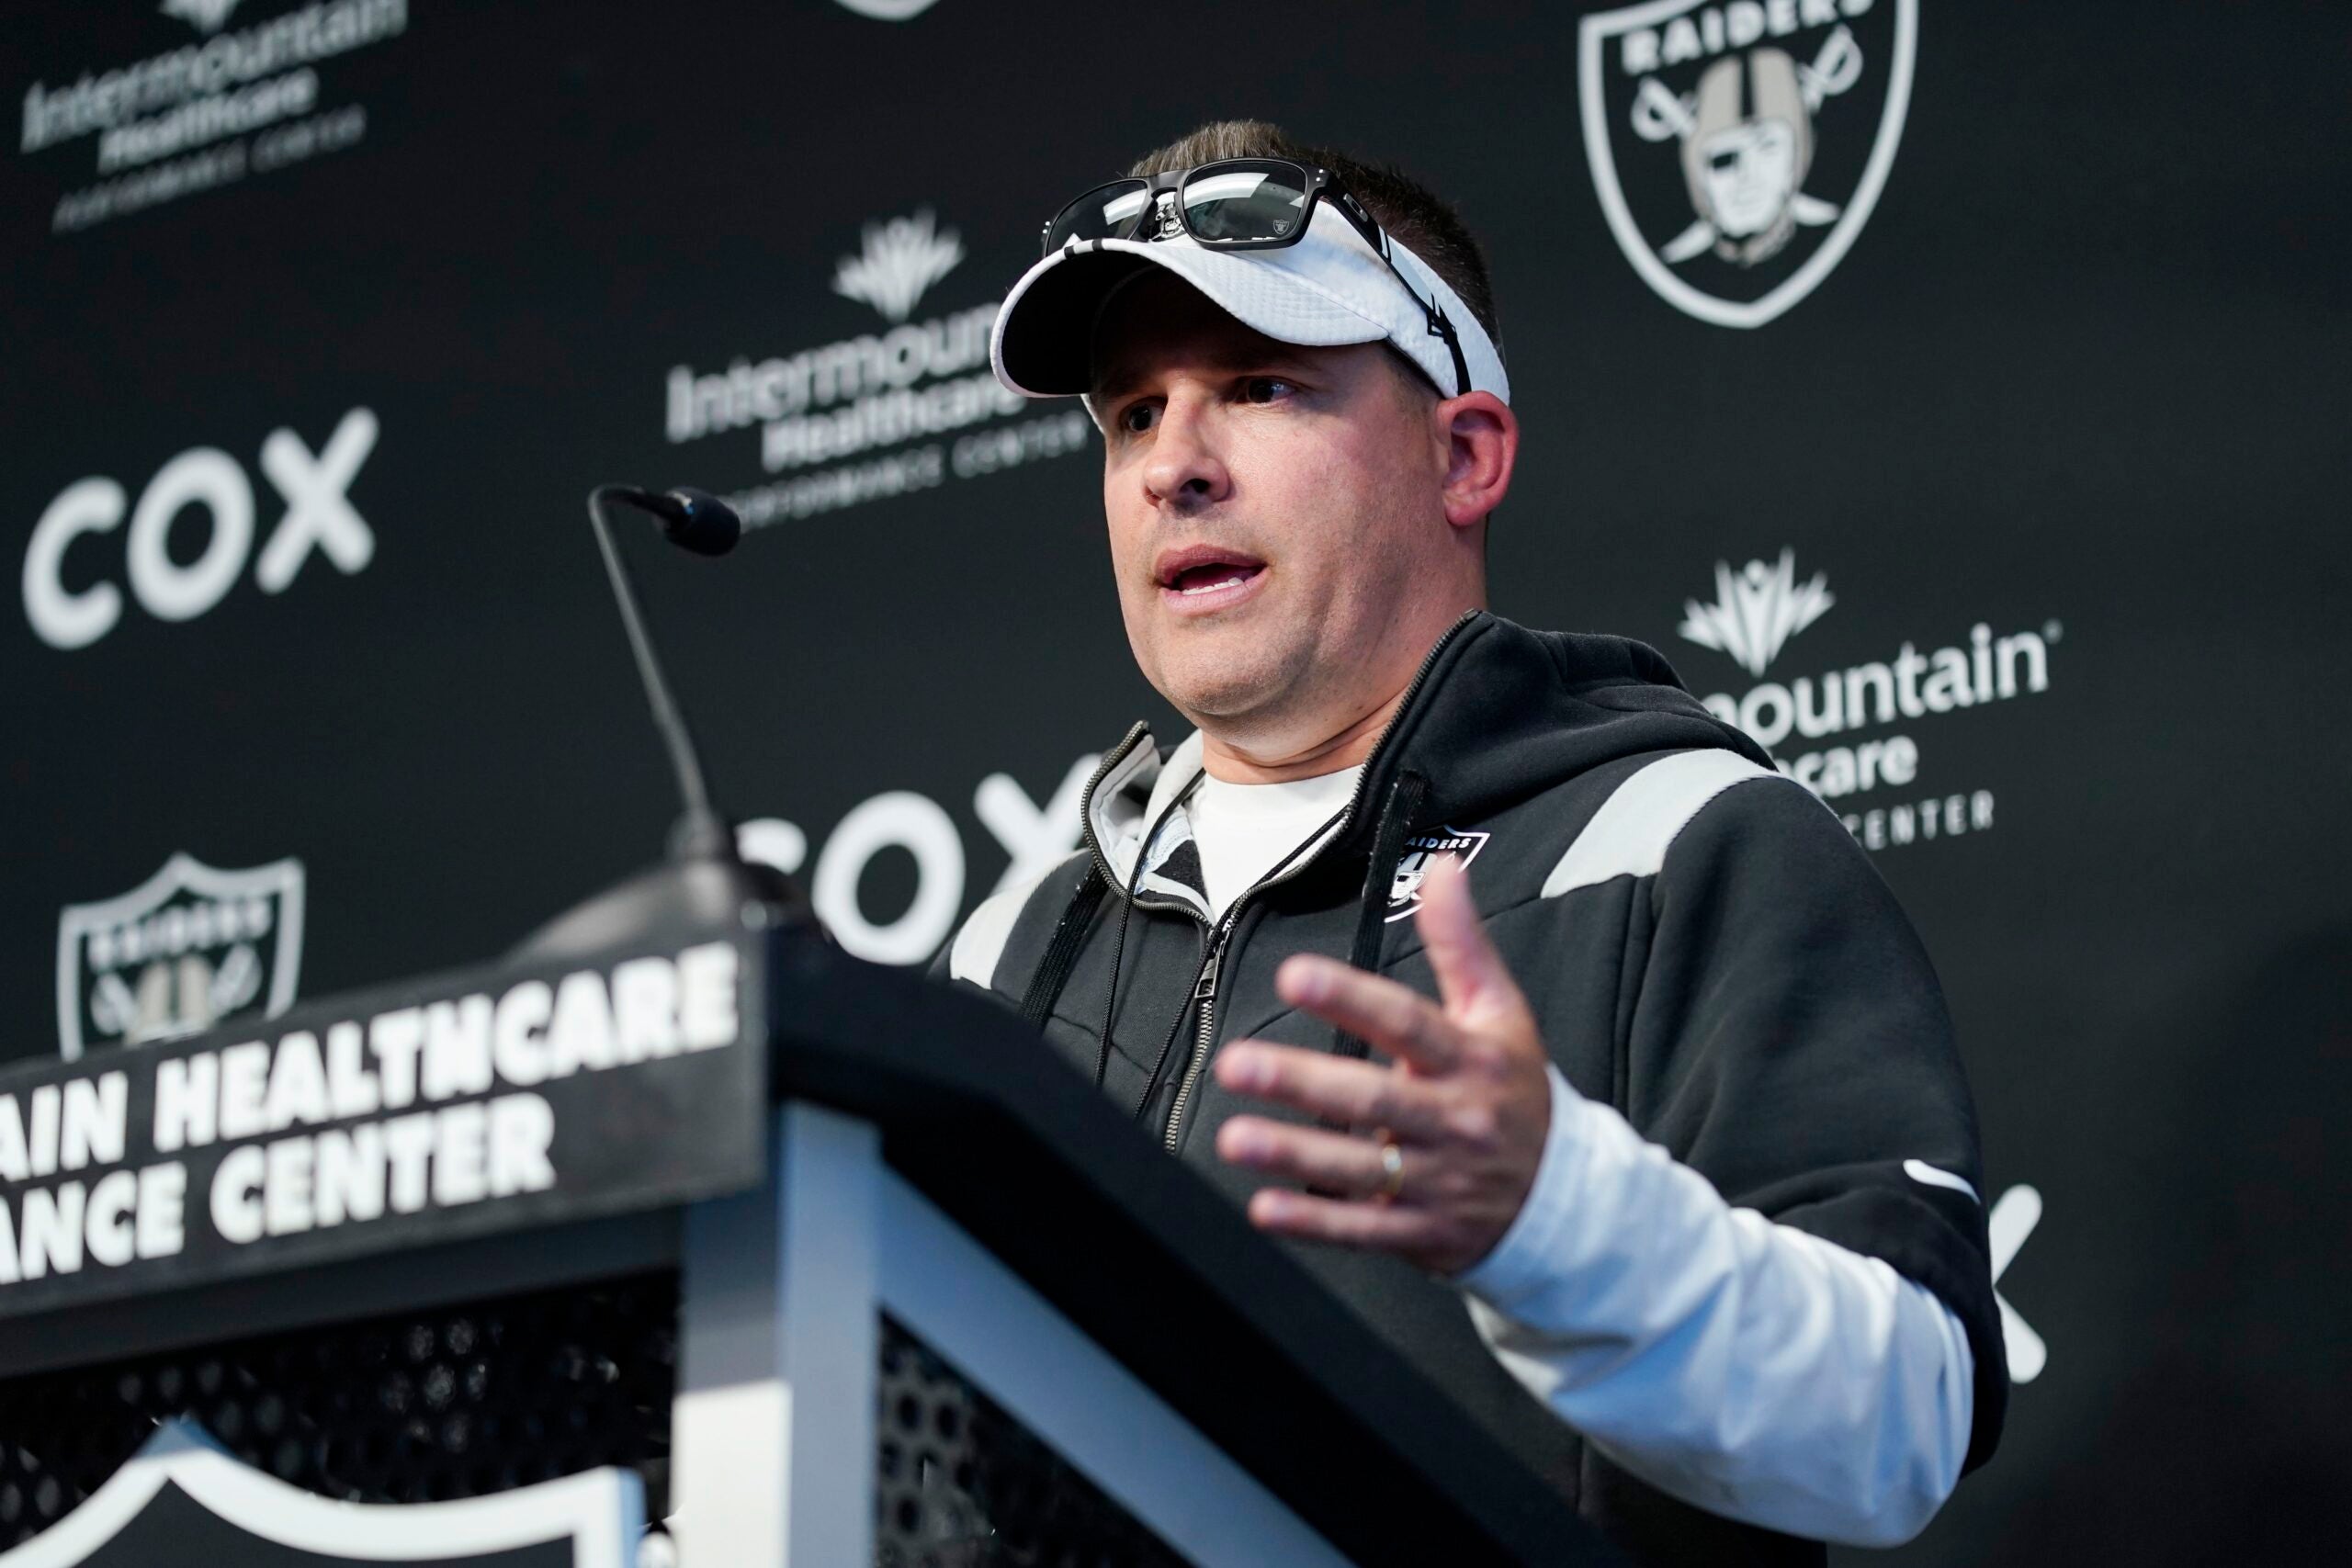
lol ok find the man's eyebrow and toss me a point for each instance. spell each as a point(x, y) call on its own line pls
point(1124, 375)
point(1117, 384)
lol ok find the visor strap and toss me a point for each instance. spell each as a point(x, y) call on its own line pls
point(1440, 327)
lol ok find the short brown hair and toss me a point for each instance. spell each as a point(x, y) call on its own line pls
point(1410, 212)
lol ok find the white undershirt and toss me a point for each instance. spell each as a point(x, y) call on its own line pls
point(1243, 831)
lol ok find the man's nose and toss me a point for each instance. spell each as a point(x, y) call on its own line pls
point(1185, 471)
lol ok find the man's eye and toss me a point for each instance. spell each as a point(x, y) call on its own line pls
point(1267, 388)
point(1135, 418)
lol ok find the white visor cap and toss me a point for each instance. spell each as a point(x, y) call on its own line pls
point(1330, 287)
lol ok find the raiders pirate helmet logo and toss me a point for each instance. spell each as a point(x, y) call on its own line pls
point(1413, 865)
point(1738, 146)
point(190, 945)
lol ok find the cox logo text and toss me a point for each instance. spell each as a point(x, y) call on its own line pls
point(318, 517)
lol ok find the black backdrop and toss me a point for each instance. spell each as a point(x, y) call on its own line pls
point(2079, 378)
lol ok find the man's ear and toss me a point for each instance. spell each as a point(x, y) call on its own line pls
point(1482, 445)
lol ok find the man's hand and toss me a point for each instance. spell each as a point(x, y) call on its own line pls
point(1466, 1100)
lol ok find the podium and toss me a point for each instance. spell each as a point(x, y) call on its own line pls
point(728, 1250)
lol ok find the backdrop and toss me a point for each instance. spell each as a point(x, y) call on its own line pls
point(1957, 393)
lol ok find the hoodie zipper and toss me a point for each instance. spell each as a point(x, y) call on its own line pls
point(1205, 982)
point(1204, 993)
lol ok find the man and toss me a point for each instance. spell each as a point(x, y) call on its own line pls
point(1594, 1047)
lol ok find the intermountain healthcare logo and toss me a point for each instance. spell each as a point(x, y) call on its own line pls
point(1759, 608)
point(902, 258)
point(209, 113)
point(866, 407)
point(188, 947)
point(1756, 611)
point(1732, 143)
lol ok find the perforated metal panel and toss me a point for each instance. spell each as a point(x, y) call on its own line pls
point(489, 1395)
point(408, 1408)
point(960, 1483)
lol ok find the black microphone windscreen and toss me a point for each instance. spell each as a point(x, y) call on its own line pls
point(698, 521)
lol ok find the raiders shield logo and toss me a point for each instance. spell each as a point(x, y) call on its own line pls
point(183, 1499)
point(1738, 145)
point(186, 948)
point(1404, 890)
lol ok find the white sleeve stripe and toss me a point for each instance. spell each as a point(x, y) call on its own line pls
point(1920, 1171)
point(1629, 835)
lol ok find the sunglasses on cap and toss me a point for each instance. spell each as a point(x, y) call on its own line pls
point(1235, 204)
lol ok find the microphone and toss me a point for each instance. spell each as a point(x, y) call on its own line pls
point(704, 880)
point(700, 521)
point(690, 519)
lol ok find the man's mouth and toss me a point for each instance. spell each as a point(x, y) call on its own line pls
point(1202, 571)
point(1209, 578)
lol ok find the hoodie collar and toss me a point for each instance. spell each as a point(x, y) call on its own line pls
point(1136, 790)
point(1496, 713)
point(1499, 713)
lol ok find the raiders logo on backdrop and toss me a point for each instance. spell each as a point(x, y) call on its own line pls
point(189, 946)
point(1405, 891)
point(183, 1498)
point(1738, 146)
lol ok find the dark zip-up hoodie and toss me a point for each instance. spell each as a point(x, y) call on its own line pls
point(1716, 959)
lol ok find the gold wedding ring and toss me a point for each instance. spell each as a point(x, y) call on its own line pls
point(1392, 1171)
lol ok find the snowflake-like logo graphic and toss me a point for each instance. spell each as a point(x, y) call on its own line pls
point(902, 258)
point(204, 16)
point(1755, 610)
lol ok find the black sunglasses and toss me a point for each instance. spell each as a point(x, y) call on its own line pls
point(1234, 204)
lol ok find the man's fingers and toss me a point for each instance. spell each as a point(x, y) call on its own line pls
point(1396, 1017)
point(1377, 1226)
point(1332, 1161)
point(1335, 1088)
point(1471, 974)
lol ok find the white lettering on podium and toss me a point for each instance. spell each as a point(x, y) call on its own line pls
point(124, 1215)
point(457, 1048)
point(707, 1012)
point(519, 1046)
point(444, 1057)
point(83, 1122)
point(396, 1038)
point(446, 1158)
point(649, 1009)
